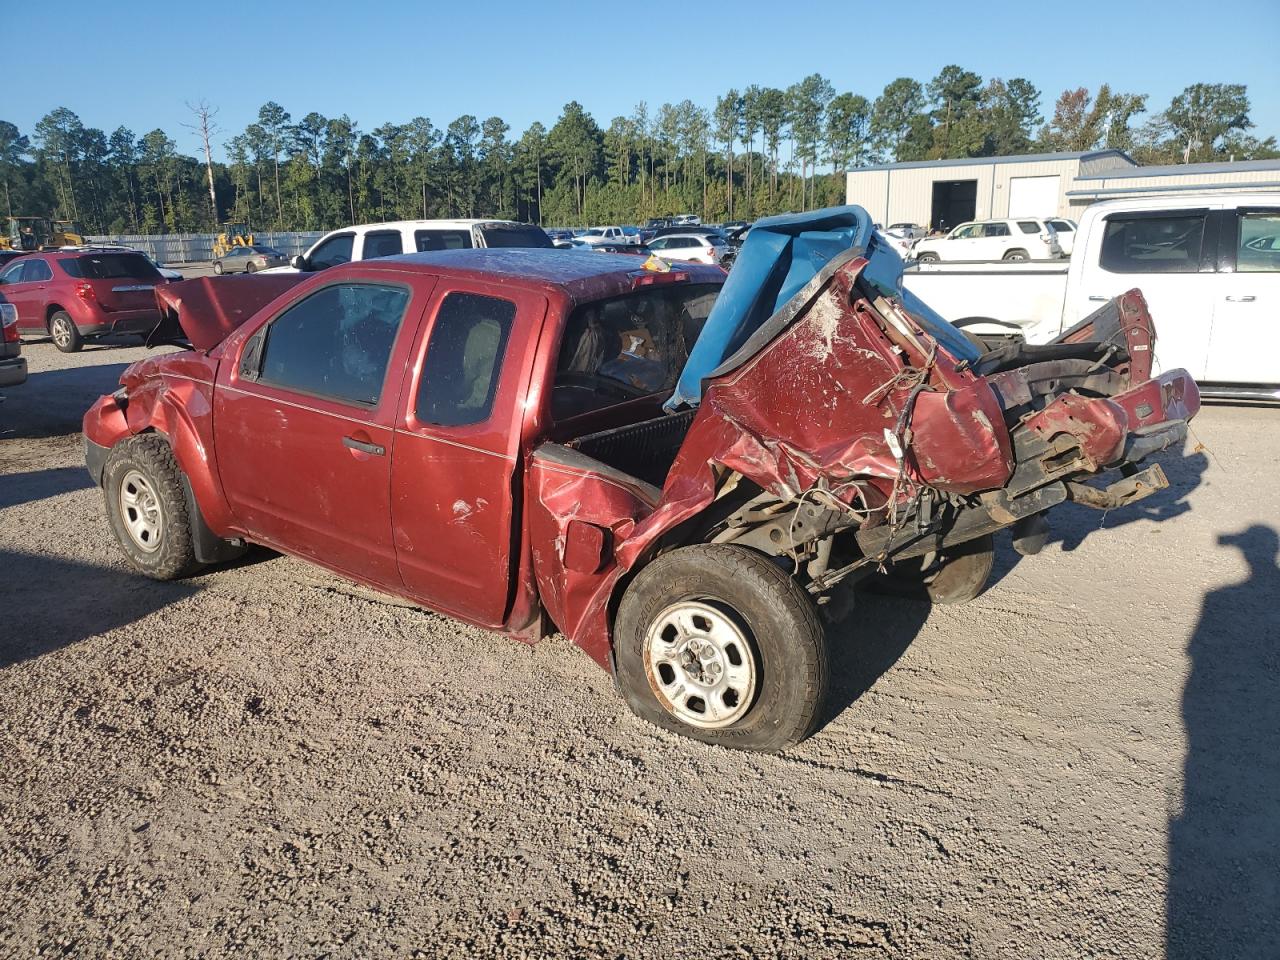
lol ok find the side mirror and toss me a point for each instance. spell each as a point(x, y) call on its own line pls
point(300, 263)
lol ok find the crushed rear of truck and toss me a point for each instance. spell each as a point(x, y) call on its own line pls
point(852, 433)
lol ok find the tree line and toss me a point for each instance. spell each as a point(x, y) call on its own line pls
point(754, 152)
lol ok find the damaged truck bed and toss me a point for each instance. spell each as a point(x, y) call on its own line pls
point(571, 443)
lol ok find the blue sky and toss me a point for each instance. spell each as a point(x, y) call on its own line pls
point(391, 61)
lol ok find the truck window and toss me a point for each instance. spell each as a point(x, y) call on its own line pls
point(1147, 244)
point(332, 252)
point(1258, 249)
point(1028, 226)
point(336, 342)
point(996, 230)
point(442, 240)
point(382, 243)
point(628, 347)
point(464, 357)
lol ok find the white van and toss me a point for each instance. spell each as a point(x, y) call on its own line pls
point(1208, 265)
point(371, 240)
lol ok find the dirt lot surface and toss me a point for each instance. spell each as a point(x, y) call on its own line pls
point(1083, 762)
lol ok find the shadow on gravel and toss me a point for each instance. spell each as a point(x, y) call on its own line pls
point(1072, 523)
point(1224, 847)
point(51, 602)
point(866, 642)
point(52, 402)
point(18, 488)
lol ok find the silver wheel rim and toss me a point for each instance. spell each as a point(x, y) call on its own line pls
point(140, 509)
point(61, 332)
point(700, 664)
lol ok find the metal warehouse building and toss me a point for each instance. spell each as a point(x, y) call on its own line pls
point(943, 193)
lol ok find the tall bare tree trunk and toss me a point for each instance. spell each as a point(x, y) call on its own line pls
point(206, 127)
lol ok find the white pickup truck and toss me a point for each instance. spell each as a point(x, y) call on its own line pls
point(1207, 263)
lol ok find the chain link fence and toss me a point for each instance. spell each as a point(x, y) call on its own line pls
point(190, 247)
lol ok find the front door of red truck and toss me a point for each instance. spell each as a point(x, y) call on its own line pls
point(457, 446)
point(303, 421)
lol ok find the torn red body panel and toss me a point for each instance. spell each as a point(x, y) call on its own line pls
point(819, 406)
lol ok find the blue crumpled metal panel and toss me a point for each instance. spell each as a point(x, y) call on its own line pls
point(781, 254)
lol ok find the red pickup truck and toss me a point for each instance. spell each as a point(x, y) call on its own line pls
point(483, 432)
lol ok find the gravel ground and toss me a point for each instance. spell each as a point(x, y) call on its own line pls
point(1081, 763)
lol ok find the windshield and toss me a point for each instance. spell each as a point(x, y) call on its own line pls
point(627, 347)
point(515, 235)
point(109, 266)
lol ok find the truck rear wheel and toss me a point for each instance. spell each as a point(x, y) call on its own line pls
point(955, 575)
point(142, 484)
point(720, 644)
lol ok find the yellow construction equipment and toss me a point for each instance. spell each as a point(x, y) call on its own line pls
point(66, 233)
point(27, 233)
point(232, 235)
point(40, 233)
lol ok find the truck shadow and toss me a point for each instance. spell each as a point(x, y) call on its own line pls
point(52, 403)
point(1072, 523)
point(865, 641)
point(53, 602)
point(1224, 838)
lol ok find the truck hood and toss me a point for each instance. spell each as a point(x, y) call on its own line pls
point(206, 310)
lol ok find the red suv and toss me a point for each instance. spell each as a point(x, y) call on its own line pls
point(73, 295)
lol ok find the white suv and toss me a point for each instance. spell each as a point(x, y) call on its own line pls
point(369, 241)
point(692, 247)
point(1024, 238)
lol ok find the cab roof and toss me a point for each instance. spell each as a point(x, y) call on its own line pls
point(582, 274)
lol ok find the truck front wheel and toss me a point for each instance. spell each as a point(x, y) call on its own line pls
point(720, 644)
point(142, 484)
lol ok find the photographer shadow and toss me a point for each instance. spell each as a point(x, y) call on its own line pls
point(1224, 842)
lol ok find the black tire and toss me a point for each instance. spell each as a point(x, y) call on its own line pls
point(64, 333)
point(250, 268)
point(928, 258)
point(957, 575)
point(173, 555)
point(1016, 255)
point(217, 267)
point(771, 612)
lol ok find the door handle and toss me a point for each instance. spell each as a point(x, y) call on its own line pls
point(1247, 298)
point(1098, 298)
point(351, 443)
